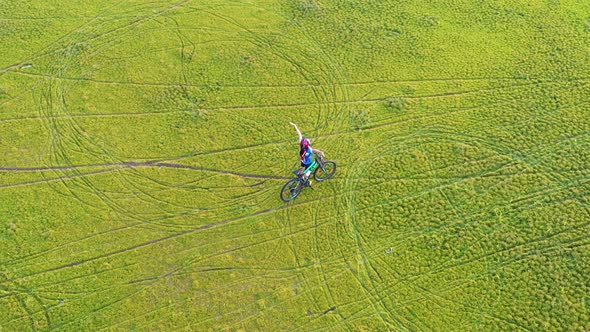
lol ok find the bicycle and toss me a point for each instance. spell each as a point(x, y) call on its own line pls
point(322, 170)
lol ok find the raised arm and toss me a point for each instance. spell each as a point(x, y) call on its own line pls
point(298, 132)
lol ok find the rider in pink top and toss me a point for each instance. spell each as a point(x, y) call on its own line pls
point(305, 152)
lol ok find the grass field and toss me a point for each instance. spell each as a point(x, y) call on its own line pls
point(143, 145)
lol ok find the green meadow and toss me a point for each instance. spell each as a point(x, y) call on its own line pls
point(144, 144)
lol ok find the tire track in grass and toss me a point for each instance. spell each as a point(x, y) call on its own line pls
point(45, 50)
point(255, 313)
point(542, 150)
point(437, 114)
point(527, 202)
point(290, 60)
point(474, 259)
point(57, 143)
point(533, 158)
point(304, 85)
point(388, 318)
point(171, 272)
point(42, 288)
point(29, 316)
point(326, 96)
point(68, 296)
point(339, 91)
point(348, 197)
point(166, 12)
point(63, 68)
point(131, 226)
point(325, 221)
point(534, 251)
point(75, 194)
point(122, 166)
point(59, 178)
point(301, 277)
point(352, 319)
point(135, 190)
point(474, 311)
point(58, 146)
point(479, 175)
point(125, 28)
point(419, 97)
point(360, 312)
point(152, 242)
point(95, 311)
point(14, 293)
point(322, 272)
point(400, 306)
point(334, 79)
point(427, 190)
point(18, 95)
point(131, 320)
point(360, 238)
point(361, 234)
point(175, 272)
point(365, 303)
point(21, 293)
point(261, 313)
point(289, 105)
point(35, 255)
point(171, 165)
point(442, 193)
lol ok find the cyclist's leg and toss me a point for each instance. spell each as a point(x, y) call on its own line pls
point(308, 169)
point(300, 171)
point(303, 169)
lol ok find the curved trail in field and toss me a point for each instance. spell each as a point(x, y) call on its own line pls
point(371, 249)
point(136, 164)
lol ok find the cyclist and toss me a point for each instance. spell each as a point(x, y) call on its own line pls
point(306, 155)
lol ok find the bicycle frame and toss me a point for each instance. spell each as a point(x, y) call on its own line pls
point(311, 168)
point(294, 186)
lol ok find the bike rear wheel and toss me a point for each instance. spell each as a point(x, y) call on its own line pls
point(290, 190)
point(325, 171)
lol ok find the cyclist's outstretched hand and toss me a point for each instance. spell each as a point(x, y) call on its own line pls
point(298, 131)
point(320, 152)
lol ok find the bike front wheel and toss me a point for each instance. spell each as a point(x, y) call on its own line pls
point(290, 190)
point(325, 171)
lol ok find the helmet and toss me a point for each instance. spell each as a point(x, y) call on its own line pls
point(305, 142)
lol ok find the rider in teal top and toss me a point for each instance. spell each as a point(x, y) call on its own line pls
point(306, 153)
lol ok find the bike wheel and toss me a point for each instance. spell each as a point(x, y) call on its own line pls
point(325, 171)
point(290, 190)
